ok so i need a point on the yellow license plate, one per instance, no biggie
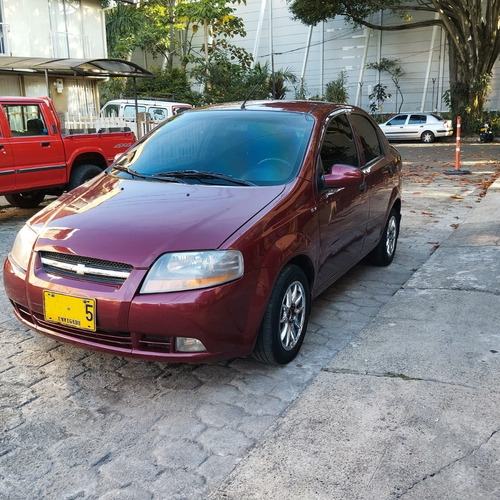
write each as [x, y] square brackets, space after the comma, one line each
[70, 311]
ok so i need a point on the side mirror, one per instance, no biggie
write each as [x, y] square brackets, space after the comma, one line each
[343, 176]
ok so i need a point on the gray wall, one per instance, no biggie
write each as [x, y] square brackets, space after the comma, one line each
[336, 46]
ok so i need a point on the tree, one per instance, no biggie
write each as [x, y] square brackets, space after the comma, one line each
[392, 67]
[218, 22]
[336, 90]
[379, 95]
[277, 82]
[167, 27]
[472, 28]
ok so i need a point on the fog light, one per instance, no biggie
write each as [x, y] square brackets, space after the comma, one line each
[187, 344]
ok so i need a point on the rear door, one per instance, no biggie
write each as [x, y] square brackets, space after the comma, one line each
[381, 176]
[37, 150]
[416, 125]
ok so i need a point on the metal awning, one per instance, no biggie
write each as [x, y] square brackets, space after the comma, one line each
[101, 68]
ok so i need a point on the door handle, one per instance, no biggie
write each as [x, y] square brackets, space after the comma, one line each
[3, 150]
[45, 144]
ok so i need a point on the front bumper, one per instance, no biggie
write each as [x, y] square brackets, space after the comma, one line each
[225, 319]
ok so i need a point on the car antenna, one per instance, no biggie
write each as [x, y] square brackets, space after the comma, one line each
[251, 92]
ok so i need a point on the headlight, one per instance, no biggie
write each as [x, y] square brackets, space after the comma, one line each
[23, 245]
[174, 272]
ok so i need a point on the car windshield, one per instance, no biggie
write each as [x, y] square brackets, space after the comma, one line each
[229, 147]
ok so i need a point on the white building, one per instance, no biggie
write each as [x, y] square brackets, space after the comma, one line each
[57, 48]
[318, 54]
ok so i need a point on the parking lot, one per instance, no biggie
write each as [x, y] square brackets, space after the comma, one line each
[78, 424]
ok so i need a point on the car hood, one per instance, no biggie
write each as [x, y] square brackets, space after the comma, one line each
[135, 221]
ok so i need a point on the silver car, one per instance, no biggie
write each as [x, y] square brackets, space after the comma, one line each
[424, 127]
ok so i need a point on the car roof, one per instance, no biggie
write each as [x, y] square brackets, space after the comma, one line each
[150, 102]
[317, 108]
[9, 99]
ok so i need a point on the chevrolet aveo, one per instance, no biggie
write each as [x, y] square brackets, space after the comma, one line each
[209, 238]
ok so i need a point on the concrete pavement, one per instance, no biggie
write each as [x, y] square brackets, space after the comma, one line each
[410, 407]
[79, 424]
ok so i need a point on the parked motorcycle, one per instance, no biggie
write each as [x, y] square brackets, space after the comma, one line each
[485, 132]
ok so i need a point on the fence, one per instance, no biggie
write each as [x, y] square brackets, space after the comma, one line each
[71, 124]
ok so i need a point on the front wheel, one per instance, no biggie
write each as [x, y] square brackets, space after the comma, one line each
[383, 253]
[81, 174]
[31, 199]
[285, 319]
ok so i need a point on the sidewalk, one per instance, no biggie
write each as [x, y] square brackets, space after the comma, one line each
[410, 408]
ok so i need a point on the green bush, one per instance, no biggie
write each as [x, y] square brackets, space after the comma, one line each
[172, 85]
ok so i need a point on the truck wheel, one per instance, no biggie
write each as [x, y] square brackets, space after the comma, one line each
[31, 199]
[81, 174]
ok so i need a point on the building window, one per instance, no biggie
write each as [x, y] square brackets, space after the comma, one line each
[4, 30]
[66, 28]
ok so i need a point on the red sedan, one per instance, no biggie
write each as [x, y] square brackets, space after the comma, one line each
[209, 238]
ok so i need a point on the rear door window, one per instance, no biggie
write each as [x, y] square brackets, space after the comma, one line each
[368, 136]
[417, 119]
[338, 145]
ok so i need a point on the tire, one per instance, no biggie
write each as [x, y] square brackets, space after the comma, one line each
[383, 253]
[427, 137]
[285, 319]
[81, 174]
[31, 199]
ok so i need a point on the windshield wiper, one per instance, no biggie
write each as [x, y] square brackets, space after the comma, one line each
[199, 175]
[134, 173]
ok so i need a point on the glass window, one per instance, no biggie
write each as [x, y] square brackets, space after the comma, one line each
[417, 119]
[111, 110]
[338, 144]
[25, 120]
[66, 29]
[369, 138]
[398, 120]
[261, 147]
[129, 111]
[158, 114]
[3, 33]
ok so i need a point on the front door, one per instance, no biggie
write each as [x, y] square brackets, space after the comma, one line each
[38, 152]
[343, 213]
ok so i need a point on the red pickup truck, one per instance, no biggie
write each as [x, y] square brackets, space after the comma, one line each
[36, 159]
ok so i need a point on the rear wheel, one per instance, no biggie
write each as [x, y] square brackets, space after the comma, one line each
[285, 320]
[383, 253]
[81, 174]
[427, 137]
[30, 199]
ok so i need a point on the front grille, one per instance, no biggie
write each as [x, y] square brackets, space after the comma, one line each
[122, 340]
[76, 266]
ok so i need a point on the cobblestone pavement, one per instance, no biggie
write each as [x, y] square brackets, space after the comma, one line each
[77, 424]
